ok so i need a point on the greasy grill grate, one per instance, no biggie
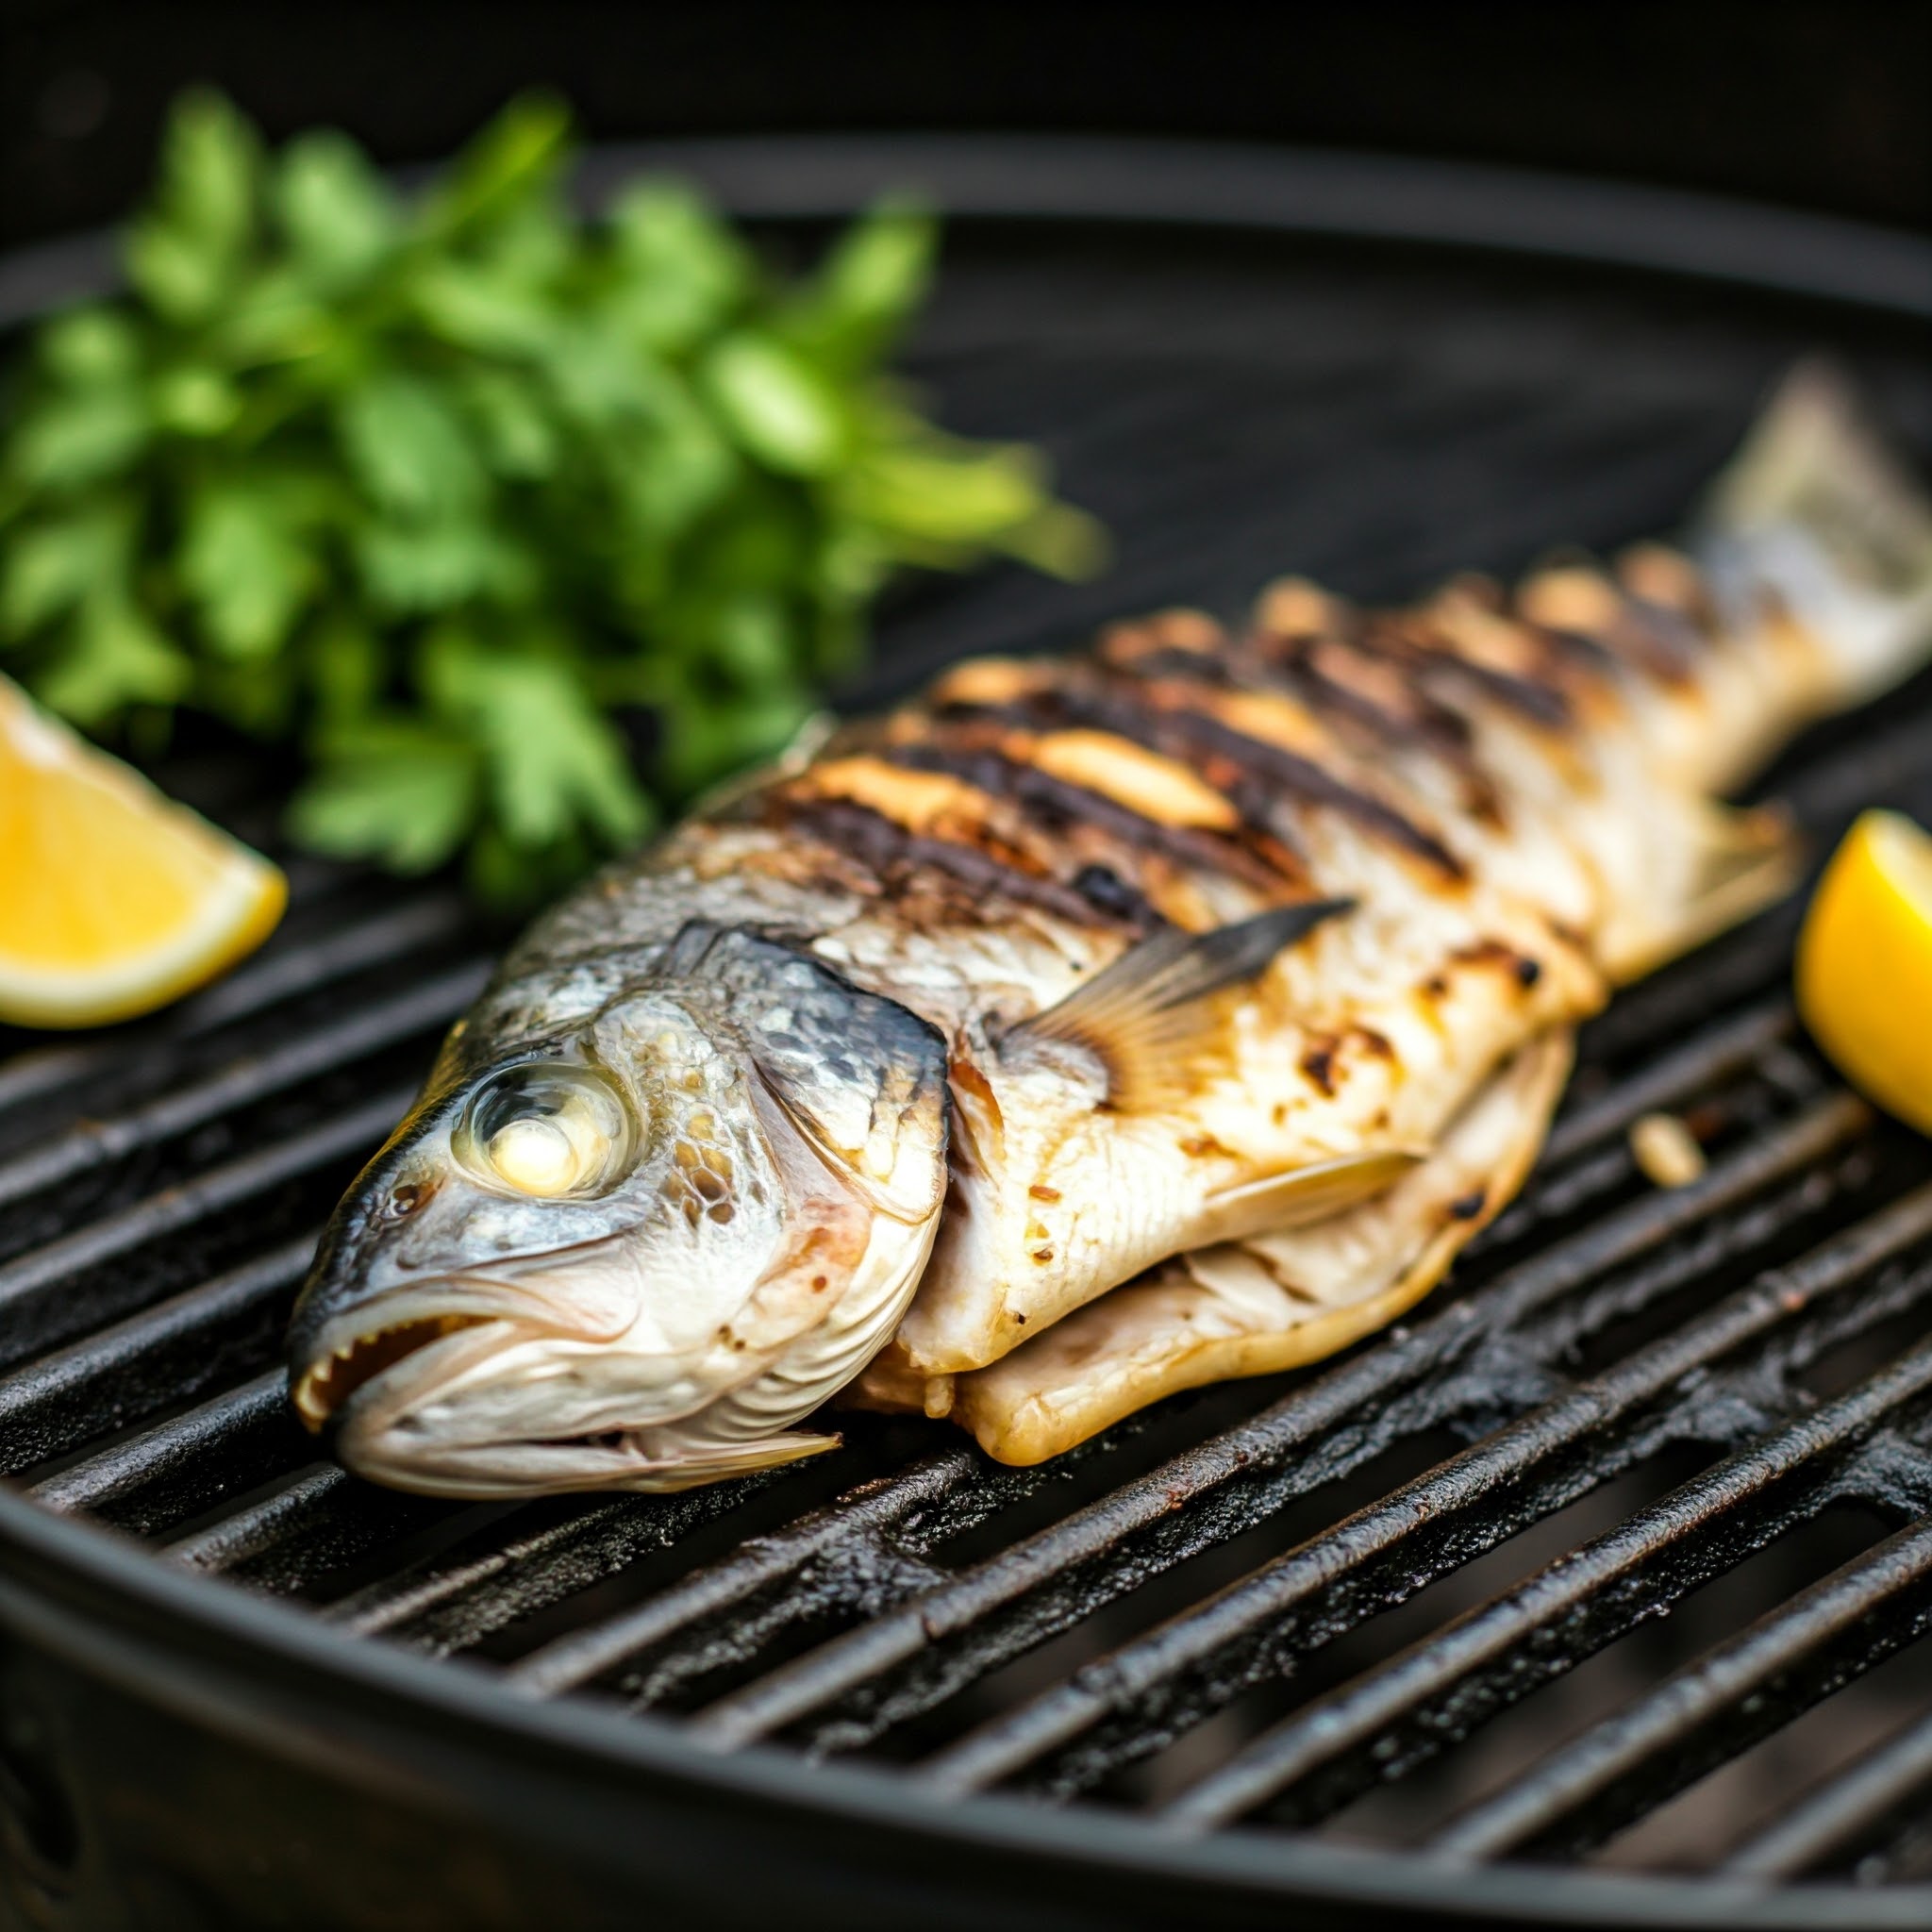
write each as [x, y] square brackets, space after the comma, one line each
[1555, 1572]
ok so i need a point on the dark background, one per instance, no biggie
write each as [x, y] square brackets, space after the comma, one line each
[1828, 107]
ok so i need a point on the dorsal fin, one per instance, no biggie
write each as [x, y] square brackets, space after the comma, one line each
[1149, 1016]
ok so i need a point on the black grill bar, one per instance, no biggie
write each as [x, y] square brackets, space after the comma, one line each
[1195, 1662]
[1869, 1804]
[366, 1030]
[1324, 1426]
[319, 1520]
[182, 1465]
[33, 1318]
[582, 1656]
[1738, 967]
[1308, 1606]
[1887, 763]
[177, 1350]
[443, 1604]
[854, 1523]
[865, 1551]
[1589, 1184]
[1730, 1047]
[284, 973]
[1740, 1693]
[1438, 1691]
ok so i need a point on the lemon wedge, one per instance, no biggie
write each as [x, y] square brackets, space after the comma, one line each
[113, 899]
[1865, 964]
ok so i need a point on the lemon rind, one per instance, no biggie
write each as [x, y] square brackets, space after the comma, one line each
[233, 919]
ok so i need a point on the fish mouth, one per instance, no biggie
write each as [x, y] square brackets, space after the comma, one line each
[378, 1397]
[367, 1397]
[388, 1452]
[384, 1449]
[382, 1398]
[339, 1359]
[323, 1391]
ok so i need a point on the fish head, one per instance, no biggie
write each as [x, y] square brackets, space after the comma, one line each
[620, 1252]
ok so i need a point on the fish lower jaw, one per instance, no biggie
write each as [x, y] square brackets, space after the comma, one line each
[401, 1457]
[399, 1407]
[322, 1391]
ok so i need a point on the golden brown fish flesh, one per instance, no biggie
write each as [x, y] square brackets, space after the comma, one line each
[1247, 961]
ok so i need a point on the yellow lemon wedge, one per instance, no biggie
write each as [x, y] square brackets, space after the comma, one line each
[1865, 964]
[113, 899]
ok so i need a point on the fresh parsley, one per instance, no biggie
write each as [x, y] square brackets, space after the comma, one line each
[520, 527]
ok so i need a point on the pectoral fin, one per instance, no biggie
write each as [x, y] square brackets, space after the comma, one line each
[1282, 1201]
[1150, 1016]
[1276, 1304]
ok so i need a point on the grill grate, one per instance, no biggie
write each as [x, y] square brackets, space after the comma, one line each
[1344, 1603]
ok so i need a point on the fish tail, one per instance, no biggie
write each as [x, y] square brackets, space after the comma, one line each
[1816, 509]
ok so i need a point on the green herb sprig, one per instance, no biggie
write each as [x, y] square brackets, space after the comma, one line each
[447, 491]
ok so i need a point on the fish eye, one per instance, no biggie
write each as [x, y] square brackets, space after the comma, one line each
[549, 1129]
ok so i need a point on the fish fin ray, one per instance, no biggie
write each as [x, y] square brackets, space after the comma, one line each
[1817, 507]
[1281, 1201]
[1151, 1016]
[1170, 1331]
[1746, 861]
[715, 1462]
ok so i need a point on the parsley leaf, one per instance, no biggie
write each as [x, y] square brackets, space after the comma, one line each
[464, 496]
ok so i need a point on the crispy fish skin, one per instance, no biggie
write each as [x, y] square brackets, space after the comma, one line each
[1255, 1307]
[1565, 744]
[1472, 818]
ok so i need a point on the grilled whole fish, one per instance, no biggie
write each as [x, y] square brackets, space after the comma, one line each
[1091, 1027]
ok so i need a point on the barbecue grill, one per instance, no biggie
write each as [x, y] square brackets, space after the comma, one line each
[1589, 1595]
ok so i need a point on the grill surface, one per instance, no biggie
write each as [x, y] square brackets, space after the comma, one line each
[1592, 1593]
